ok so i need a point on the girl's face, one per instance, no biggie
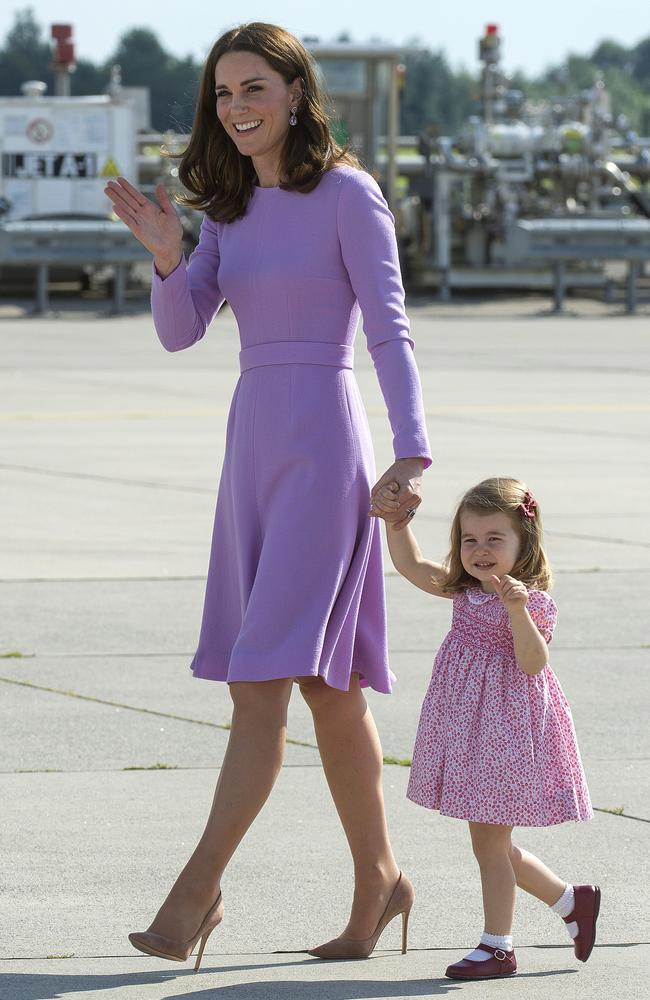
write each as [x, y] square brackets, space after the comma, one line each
[250, 92]
[489, 545]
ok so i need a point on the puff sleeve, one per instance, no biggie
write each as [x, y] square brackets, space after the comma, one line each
[543, 610]
[366, 229]
[185, 302]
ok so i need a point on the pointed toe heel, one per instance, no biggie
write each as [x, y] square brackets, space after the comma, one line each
[400, 902]
[180, 951]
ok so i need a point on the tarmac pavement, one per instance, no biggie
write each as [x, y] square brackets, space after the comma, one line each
[109, 749]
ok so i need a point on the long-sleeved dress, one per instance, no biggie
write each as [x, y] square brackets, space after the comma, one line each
[295, 580]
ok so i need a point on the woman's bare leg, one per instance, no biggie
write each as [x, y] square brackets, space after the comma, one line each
[534, 877]
[492, 845]
[250, 767]
[352, 760]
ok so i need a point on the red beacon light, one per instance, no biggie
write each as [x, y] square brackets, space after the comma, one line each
[61, 32]
[64, 54]
[489, 45]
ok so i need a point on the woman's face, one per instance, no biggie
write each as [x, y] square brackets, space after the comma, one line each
[250, 92]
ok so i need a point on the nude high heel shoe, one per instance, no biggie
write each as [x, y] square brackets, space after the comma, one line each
[180, 951]
[401, 901]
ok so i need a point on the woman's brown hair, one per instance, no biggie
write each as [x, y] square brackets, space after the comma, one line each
[511, 497]
[220, 180]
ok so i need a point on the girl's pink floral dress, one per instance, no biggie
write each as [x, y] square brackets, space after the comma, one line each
[495, 745]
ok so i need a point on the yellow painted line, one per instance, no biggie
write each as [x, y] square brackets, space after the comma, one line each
[509, 408]
[546, 408]
[108, 414]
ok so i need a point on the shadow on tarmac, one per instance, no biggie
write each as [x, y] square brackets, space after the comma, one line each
[53, 987]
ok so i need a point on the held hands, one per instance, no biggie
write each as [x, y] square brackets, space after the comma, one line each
[398, 491]
[512, 593]
[157, 227]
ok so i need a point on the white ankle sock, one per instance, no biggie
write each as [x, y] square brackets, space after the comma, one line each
[565, 906]
[503, 941]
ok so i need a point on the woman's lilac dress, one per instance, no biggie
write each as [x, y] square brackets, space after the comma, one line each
[295, 581]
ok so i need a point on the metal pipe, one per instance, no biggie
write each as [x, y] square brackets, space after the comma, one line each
[42, 275]
[393, 133]
[119, 286]
[632, 275]
[559, 285]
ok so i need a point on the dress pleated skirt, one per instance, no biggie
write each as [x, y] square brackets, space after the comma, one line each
[295, 582]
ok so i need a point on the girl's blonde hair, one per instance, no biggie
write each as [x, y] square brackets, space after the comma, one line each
[511, 497]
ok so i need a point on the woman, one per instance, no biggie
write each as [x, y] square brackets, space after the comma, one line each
[296, 237]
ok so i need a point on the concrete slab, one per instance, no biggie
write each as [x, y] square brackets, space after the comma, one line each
[295, 977]
[260, 977]
[290, 883]
[42, 730]
[111, 456]
[90, 405]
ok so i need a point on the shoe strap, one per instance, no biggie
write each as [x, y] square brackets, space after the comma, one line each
[499, 953]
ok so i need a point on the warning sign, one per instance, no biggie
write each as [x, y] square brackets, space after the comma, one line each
[110, 169]
[40, 130]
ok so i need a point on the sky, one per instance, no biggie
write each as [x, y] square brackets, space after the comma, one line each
[535, 35]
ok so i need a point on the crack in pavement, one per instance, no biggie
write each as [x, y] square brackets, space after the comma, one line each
[161, 654]
[388, 573]
[387, 760]
[118, 480]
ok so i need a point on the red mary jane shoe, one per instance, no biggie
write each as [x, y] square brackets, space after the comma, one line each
[585, 913]
[503, 963]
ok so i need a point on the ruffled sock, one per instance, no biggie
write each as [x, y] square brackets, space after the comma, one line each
[564, 907]
[503, 941]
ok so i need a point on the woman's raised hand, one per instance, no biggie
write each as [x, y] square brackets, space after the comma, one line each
[157, 227]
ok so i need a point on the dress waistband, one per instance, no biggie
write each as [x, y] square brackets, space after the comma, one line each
[296, 352]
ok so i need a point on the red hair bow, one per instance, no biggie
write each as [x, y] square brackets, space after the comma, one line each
[529, 505]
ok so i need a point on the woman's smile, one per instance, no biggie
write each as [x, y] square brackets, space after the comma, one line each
[241, 128]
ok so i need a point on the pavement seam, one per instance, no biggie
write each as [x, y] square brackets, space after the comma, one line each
[128, 655]
[133, 708]
[387, 760]
[388, 574]
[118, 481]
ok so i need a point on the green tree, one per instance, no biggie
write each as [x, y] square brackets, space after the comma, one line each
[641, 62]
[24, 56]
[611, 55]
[89, 78]
[173, 82]
[433, 95]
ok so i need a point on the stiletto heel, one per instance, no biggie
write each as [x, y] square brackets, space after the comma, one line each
[400, 901]
[405, 924]
[180, 951]
[203, 944]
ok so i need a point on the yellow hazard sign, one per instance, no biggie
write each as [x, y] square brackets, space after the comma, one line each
[110, 169]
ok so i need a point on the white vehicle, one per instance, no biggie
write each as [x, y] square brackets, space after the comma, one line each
[56, 153]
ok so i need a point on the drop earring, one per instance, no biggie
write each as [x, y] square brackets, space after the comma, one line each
[292, 117]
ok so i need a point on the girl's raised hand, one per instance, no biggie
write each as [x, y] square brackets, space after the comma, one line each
[157, 227]
[512, 593]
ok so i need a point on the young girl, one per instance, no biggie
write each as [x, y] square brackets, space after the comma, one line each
[496, 744]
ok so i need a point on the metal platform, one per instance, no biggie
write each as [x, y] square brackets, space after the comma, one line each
[561, 241]
[44, 243]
